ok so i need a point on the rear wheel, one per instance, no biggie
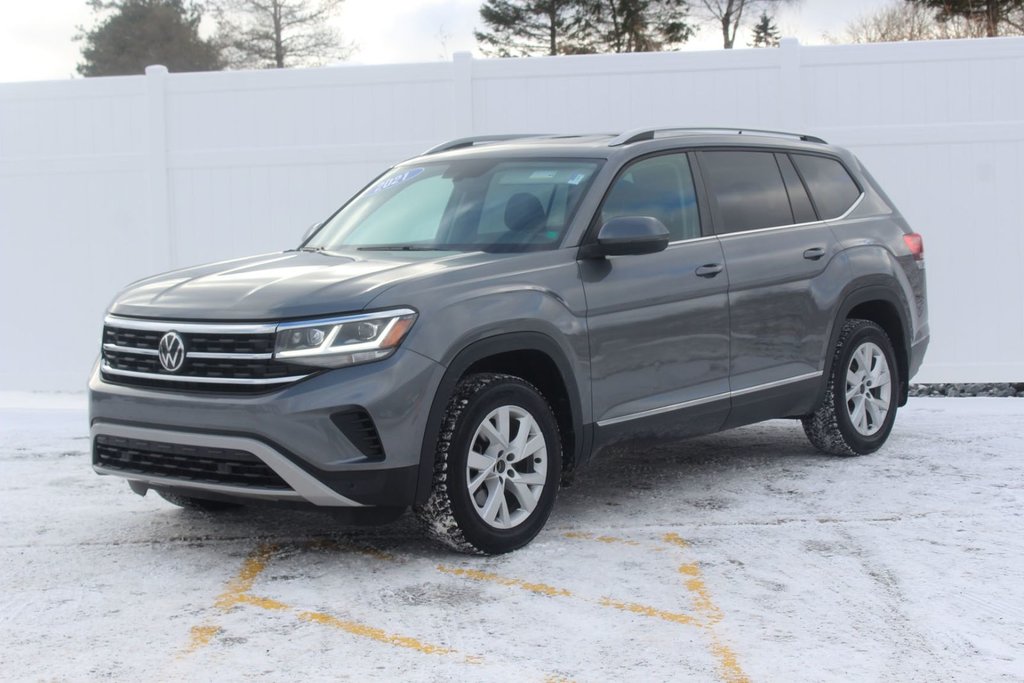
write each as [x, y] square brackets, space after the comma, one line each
[859, 407]
[496, 467]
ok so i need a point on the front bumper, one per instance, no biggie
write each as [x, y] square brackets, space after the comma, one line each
[290, 430]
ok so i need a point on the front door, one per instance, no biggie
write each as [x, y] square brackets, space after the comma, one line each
[659, 323]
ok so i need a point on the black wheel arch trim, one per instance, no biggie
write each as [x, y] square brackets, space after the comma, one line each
[479, 350]
[862, 295]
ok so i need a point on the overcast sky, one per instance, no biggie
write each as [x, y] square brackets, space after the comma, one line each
[36, 36]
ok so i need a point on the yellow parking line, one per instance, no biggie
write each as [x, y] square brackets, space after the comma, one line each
[637, 608]
[238, 592]
[478, 575]
[362, 630]
[200, 637]
[553, 591]
[604, 538]
[242, 582]
[728, 665]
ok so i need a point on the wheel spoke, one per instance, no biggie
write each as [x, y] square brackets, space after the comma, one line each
[533, 478]
[474, 483]
[502, 518]
[873, 412]
[526, 425]
[493, 434]
[527, 499]
[495, 498]
[857, 416]
[504, 427]
[852, 391]
[882, 399]
[480, 461]
[532, 446]
[864, 359]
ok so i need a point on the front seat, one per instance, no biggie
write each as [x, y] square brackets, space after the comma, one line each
[524, 216]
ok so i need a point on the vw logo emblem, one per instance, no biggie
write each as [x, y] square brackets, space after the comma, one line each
[172, 351]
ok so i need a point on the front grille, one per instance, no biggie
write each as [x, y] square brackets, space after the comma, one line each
[188, 463]
[236, 358]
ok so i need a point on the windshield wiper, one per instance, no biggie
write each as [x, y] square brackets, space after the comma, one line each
[312, 249]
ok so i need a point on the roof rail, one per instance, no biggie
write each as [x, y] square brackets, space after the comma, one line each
[641, 134]
[458, 143]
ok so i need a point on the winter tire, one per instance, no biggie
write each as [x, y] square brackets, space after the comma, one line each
[859, 407]
[496, 468]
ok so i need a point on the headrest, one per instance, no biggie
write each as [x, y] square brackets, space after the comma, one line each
[524, 212]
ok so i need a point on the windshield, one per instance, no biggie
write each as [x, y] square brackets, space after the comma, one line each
[464, 205]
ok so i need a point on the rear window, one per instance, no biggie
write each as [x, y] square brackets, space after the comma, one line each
[832, 189]
[748, 188]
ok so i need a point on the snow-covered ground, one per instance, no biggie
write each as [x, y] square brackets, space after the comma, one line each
[741, 556]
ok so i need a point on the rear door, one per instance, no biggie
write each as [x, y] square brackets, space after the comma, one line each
[778, 254]
[659, 323]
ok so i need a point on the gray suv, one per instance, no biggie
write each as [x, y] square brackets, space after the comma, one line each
[480, 321]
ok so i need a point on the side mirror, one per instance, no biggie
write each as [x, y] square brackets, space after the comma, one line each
[628, 235]
[310, 230]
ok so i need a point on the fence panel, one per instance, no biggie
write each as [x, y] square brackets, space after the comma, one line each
[103, 181]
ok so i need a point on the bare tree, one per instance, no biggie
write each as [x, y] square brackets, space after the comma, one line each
[278, 33]
[902, 21]
[896, 23]
[730, 14]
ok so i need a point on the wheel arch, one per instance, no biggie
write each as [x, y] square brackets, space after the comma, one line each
[536, 358]
[882, 306]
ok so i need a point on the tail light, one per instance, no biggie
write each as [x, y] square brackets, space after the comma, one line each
[916, 245]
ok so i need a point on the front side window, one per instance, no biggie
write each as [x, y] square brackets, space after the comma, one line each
[831, 187]
[661, 187]
[462, 205]
[748, 188]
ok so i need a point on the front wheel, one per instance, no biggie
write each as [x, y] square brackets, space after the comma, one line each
[496, 467]
[859, 407]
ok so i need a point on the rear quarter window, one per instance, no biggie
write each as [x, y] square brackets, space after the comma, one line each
[832, 189]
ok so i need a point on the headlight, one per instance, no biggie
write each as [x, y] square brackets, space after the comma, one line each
[335, 342]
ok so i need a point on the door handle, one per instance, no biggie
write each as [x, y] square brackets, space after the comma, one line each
[710, 269]
[814, 253]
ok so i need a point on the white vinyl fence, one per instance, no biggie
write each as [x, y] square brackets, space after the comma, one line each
[106, 180]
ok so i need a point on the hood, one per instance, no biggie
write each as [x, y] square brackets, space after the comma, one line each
[275, 286]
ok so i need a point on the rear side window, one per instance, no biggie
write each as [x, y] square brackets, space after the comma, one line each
[832, 189]
[748, 188]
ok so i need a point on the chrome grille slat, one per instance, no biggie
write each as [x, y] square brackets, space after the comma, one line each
[218, 356]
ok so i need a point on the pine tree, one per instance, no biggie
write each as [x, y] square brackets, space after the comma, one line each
[519, 28]
[641, 25]
[523, 28]
[766, 33]
[137, 33]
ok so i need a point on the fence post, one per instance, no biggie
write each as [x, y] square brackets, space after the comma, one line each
[791, 110]
[462, 106]
[156, 162]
